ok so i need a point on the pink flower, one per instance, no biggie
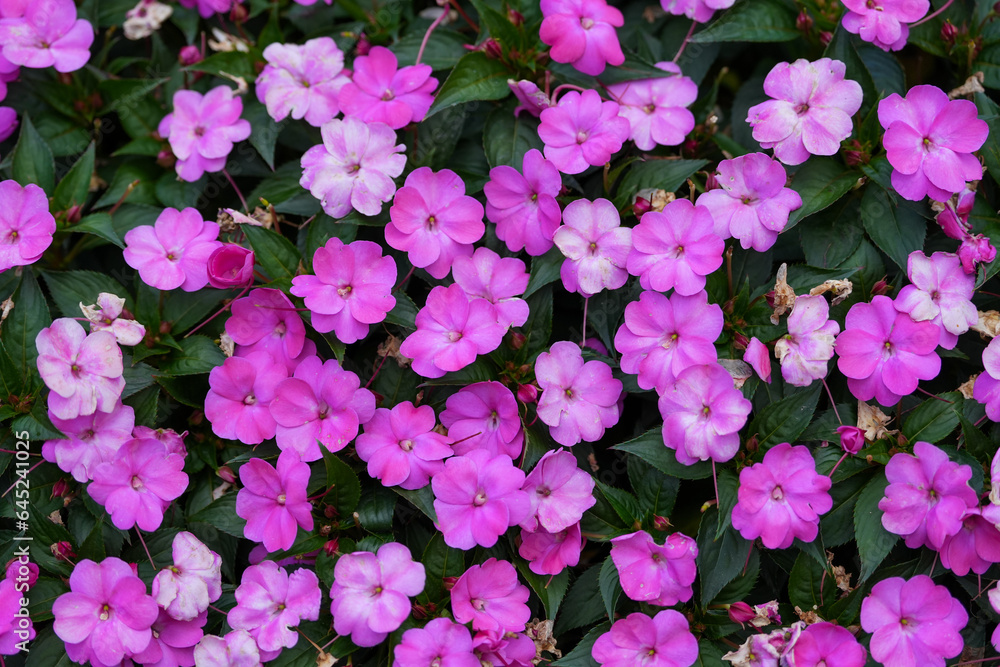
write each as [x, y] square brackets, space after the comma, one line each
[173, 252]
[8, 120]
[941, 292]
[441, 640]
[107, 615]
[498, 280]
[884, 353]
[270, 603]
[914, 623]
[91, 440]
[14, 627]
[560, 492]
[352, 288]
[451, 332]
[826, 644]
[477, 497]
[811, 110]
[698, 10]
[582, 33]
[274, 502]
[173, 642]
[433, 220]
[808, 345]
[759, 358]
[662, 641]
[381, 92]
[781, 498]
[202, 130]
[661, 337]
[675, 249]
[510, 649]
[994, 596]
[702, 414]
[209, 7]
[524, 208]
[852, 438]
[105, 315]
[656, 109]
[186, 588]
[595, 245]
[171, 439]
[986, 390]
[266, 321]
[484, 415]
[976, 249]
[237, 649]
[230, 265]
[752, 203]
[401, 447]
[26, 226]
[371, 592]
[656, 574]
[531, 99]
[582, 130]
[579, 400]
[883, 23]
[929, 141]
[48, 35]
[491, 598]
[975, 547]
[354, 166]
[240, 391]
[303, 81]
[551, 553]
[954, 217]
[84, 371]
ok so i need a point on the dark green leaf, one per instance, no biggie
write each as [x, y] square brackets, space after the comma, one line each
[549, 589]
[235, 63]
[990, 112]
[656, 491]
[376, 508]
[740, 587]
[933, 419]
[650, 448]
[100, 225]
[719, 560]
[441, 561]
[820, 182]
[624, 503]
[198, 355]
[785, 420]
[874, 541]
[221, 514]
[344, 487]
[32, 160]
[805, 582]
[506, 137]
[611, 586]
[264, 133]
[75, 185]
[581, 655]
[752, 21]
[404, 314]
[583, 604]
[422, 499]
[71, 288]
[275, 254]
[667, 175]
[544, 270]
[29, 316]
[443, 50]
[896, 229]
[476, 77]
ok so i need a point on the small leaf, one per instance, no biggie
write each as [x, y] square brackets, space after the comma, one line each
[476, 77]
[785, 420]
[583, 604]
[820, 182]
[933, 419]
[667, 175]
[404, 314]
[805, 582]
[71, 288]
[29, 316]
[874, 541]
[581, 655]
[624, 503]
[75, 185]
[276, 254]
[344, 487]
[895, 228]
[198, 355]
[441, 561]
[32, 161]
[650, 448]
[506, 137]
[719, 560]
[752, 21]
[264, 133]
[610, 585]
[544, 270]
[100, 225]
[549, 589]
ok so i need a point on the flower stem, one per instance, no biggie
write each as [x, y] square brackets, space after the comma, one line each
[220, 311]
[583, 336]
[427, 35]
[687, 38]
[239, 194]
[461, 12]
[375, 374]
[715, 481]
[837, 465]
[145, 548]
[928, 18]
[832, 402]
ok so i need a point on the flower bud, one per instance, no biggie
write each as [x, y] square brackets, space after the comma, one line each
[230, 266]
[515, 17]
[852, 438]
[364, 46]
[803, 22]
[189, 55]
[448, 583]
[661, 523]
[527, 393]
[881, 287]
[166, 158]
[826, 37]
[239, 13]
[517, 340]
[60, 488]
[712, 182]
[62, 551]
[73, 214]
[740, 342]
[330, 548]
[491, 48]
[949, 32]
[227, 474]
[741, 612]
[641, 207]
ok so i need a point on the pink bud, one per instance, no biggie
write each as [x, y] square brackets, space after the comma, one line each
[741, 612]
[740, 342]
[641, 207]
[881, 287]
[230, 266]
[189, 55]
[825, 37]
[491, 48]
[660, 523]
[517, 340]
[73, 214]
[330, 548]
[852, 438]
[166, 158]
[59, 489]
[62, 551]
[804, 22]
[949, 32]
[364, 46]
[227, 474]
[975, 248]
[515, 17]
[712, 182]
[448, 583]
[527, 393]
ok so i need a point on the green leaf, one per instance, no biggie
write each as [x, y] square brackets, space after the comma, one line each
[820, 182]
[101, 226]
[75, 185]
[740, 587]
[183, 310]
[404, 313]
[785, 420]
[610, 584]
[441, 561]
[235, 63]
[47, 650]
[805, 582]
[624, 503]
[476, 77]
[582, 605]
[422, 499]
[719, 560]
[978, 444]
[729, 485]
[656, 491]
[443, 51]
[751, 21]
[71, 288]
[275, 254]
[874, 541]
[264, 132]
[990, 112]
[198, 355]
[896, 229]
[581, 656]
[506, 137]
[11, 380]
[29, 316]
[32, 160]
[344, 487]
[650, 448]
[667, 175]
[933, 419]
[544, 270]
[221, 514]
[549, 589]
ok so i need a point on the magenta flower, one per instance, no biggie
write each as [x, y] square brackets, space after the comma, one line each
[382, 92]
[551, 553]
[303, 81]
[510, 649]
[808, 345]
[194, 581]
[986, 390]
[401, 447]
[975, 547]
[202, 130]
[499, 280]
[698, 10]
[884, 353]
[107, 615]
[852, 438]
[823, 644]
[451, 332]
[579, 400]
[954, 217]
[230, 265]
[560, 492]
[354, 166]
[266, 321]
[914, 623]
[656, 109]
[477, 497]
[433, 220]
[84, 371]
[105, 315]
[209, 7]
[752, 203]
[173, 642]
[582, 131]
[781, 498]
[531, 98]
[48, 35]
[941, 292]
[484, 415]
[976, 249]
[237, 649]
[173, 252]
[270, 603]
[582, 33]
[26, 226]
[883, 22]
[273, 501]
[811, 109]
[595, 245]
[491, 598]
[441, 641]
[662, 641]
[759, 358]
[14, 628]
[171, 439]
[371, 592]
[240, 391]
[929, 141]
[656, 574]
[702, 414]
[524, 208]
[90, 440]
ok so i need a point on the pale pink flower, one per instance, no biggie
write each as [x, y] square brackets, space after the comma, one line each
[186, 588]
[657, 574]
[209, 7]
[303, 81]
[883, 22]
[48, 35]
[491, 598]
[582, 33]
[975, 547]
[173, 252]
[656, 109]
[579, 400]
[524, 208]
[202, 130]
[595, 245]
[582, 130]
[173, 642]
[274, 502]
[560, 492]
[822, 644]
[90, 440]
[84, 371]
[759, 358]
[986, 390]
[105, 315]
[941, 291]
[509, 649]
[484, 415]
[401, 447]
[382, 92]
[236, 649]
[807, 347]
[240, 391]
[499, 280]
[26, 226]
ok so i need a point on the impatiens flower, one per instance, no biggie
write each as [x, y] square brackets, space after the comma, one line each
[976, 249]
[84, 371]
[551, 553]
[883, 22]
[382, 92]
[987, 387]
[90, 440]
[560, 492]
[656, 109]
[808, 345]
[914, 623]
[661, 337]
[303, 81]
[202, 130]
[371, 592]
[401, 447]
[171, 439]
[142, 21]
[209, 7]
[654, 573]
[274, 502]
[354, 166]
[186, 588]
[433, 220]
[531, 99]
[105, 315]
[975, 547]
[702, 414]
[240, 391]
[662, 641]
[582, 130]
[499, 280]
[811, 109]
[26, 226]
[752, 203]
[762, 650]
[884, 353]
[941, 291]
[237, 649]
[825, 644]
[582, 33]
[852, 438]
[954, 214]
[441, 643]
[491, 598]
[698, 10]
[477, 497]
[173, 642]
[15, 628]
[929, 141]
[173, 252]
[508, 649]
[451, 332]
[595, 245]
[759, 358]
[781, 498]
[107, 614]
[230, 265]
[266, 321]
[484, 415]
[579, 400]
[994, 596]
[48, 35]
[524, 208]
[270, 603]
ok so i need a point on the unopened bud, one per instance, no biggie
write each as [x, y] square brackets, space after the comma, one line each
[769, 297]
[641, 207]
[364, 46]
[189, 55]
[492, 49]
[881, 287]
[803, 22]
[73, 214]
[949, 32]
[661, 523]
[239, 13]
[166, 158]
[740, 342]
[752, 444]
[330, 548]
[60, 488]
[515, 17]
[527, 393]
[62, 551]
[329, 511]
[517, 340]
[826, 37]
[448, 583]
[852, 438]
[227, 474]
[712, 182]
[741, 612]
